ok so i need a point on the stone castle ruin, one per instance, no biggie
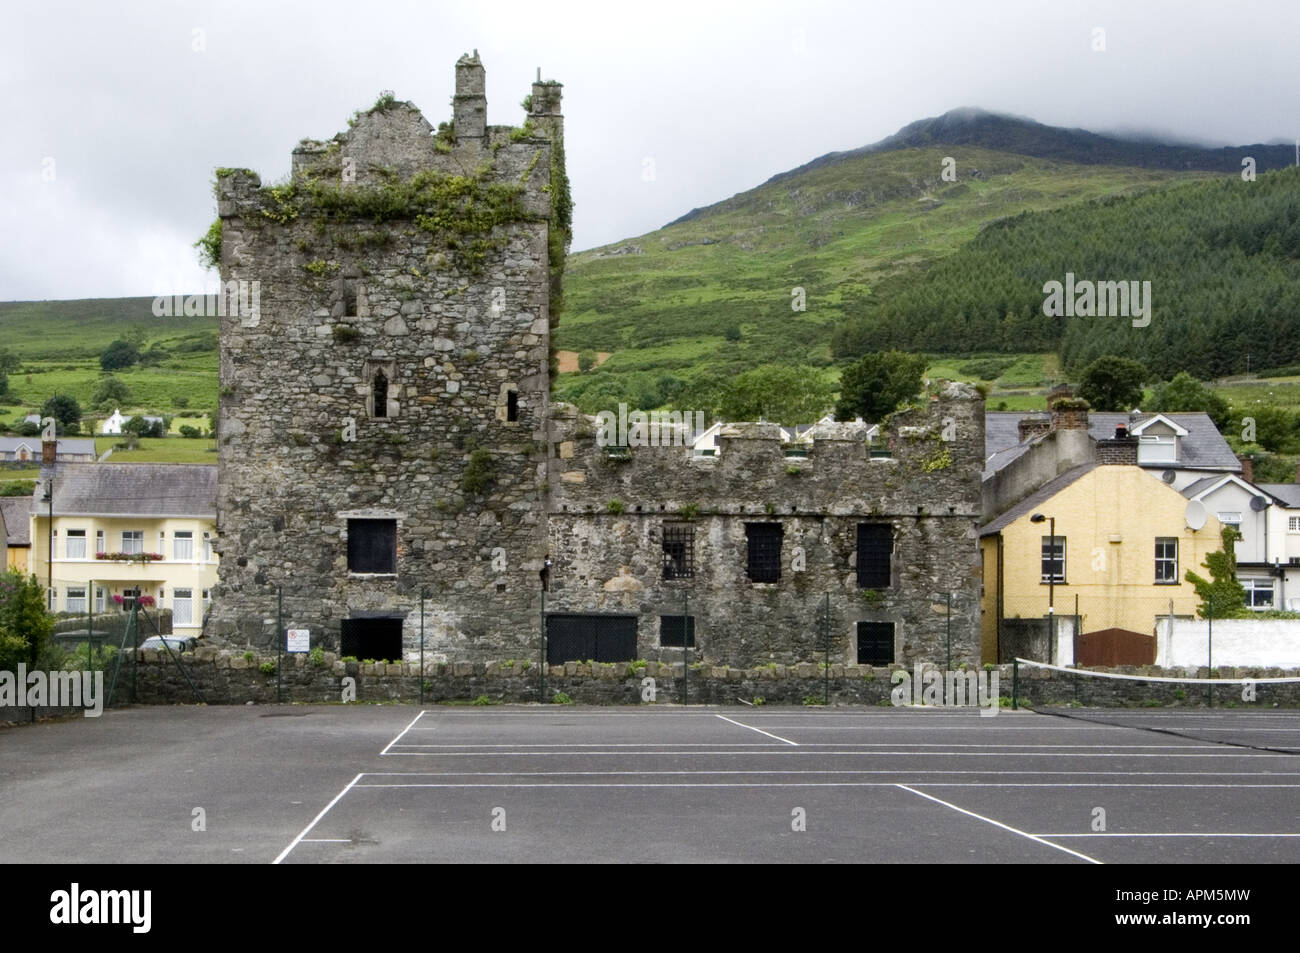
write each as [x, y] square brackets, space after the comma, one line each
[390, 462]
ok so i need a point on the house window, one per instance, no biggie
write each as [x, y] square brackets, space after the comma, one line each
[183, 607]
[1293, 524]
[100, 546]
[1259, 593]
[207, 547]
[100, 598]
[183, 545]
[162, 543]
[133, 541]
[677, 631]
[372, 546]
[1157, 448]
[875, 643]
[1232, 518]
[75, 600]
[1053, 569]
[679, 551]
[53, 595]
[1166, 561]
[875, 545]
[74, 546]
[207, 601]
[764, 551]
[379, 390]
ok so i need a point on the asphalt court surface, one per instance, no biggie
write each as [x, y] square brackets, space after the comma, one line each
[548, 784]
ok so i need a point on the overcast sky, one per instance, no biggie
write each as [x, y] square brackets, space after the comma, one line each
[115, 114]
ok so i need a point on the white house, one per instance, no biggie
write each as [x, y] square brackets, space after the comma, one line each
[113, 425]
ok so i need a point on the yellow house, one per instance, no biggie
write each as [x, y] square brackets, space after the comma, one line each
[16, 512]
[114, 527]
[1122, 545]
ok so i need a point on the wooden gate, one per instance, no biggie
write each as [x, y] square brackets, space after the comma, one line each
[1116, 647]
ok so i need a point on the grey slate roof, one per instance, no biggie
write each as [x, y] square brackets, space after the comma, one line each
[1203, 448]
[135, 489]
[65, 444]
[17, 512]
[1037, 498]
[1288, 493]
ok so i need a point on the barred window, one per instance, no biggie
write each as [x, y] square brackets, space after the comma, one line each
[677, 631]
[764, 551]
[875, 547]
[372, 546]
[679, 551]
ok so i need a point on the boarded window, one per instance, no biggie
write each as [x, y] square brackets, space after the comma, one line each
[875, 643]
[875, 547]
[764, 551]
[372, 546]
[677, 631]
[679, 551]
[379, 639]
[601, 638]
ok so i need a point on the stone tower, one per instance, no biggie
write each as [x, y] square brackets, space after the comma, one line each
[382, 426]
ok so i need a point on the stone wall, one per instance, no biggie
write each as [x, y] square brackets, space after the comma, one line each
[224, 677]
[608, 513]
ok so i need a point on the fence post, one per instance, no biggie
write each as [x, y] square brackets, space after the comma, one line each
[1015, 683]
[1209, 618]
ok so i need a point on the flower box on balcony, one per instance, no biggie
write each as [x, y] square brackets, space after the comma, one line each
[131, 557]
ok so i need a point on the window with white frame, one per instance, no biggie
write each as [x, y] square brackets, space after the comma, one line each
[162, 543]
[133, 541]
[207, 600]
[1259, 593]
[1166, 561]
[207, 547]
[53, 595]
[1293, 524]
[183, 607]
[1053, 568]
[75, 599]
[100, 545]
[100, 598]
[1232, 517]
[74, 544]
[1157, 448]
[183, 545]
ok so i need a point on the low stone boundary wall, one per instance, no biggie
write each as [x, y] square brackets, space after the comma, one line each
[224, 677]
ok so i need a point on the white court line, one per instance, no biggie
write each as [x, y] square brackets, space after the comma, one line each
[773, 750]
[325, 840]
[307, 830]
[759, 730]
[850, 771]
[404, 731]
[826, 784]
[811, 744]
[1005, 827]
[1193, 834]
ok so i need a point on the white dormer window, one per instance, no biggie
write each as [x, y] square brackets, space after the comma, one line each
[1157, 448]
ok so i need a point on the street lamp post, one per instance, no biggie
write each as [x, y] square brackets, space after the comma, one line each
[1051, 579]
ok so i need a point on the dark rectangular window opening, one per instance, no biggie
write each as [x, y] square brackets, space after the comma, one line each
[1053, 560]
[679, 551]
[764, 551]
[601, 638]
[378, 639]
[372, 546]
[875, 548]
[875, 643]
[512, 405]
[677, 631]
[349, 298]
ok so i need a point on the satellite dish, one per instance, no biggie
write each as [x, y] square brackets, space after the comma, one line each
[1258, 503]
[1169, 476]
[1196, 514]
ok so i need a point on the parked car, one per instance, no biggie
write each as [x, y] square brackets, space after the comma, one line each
[175, 642]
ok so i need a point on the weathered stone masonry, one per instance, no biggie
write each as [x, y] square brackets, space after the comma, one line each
[395, 380]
